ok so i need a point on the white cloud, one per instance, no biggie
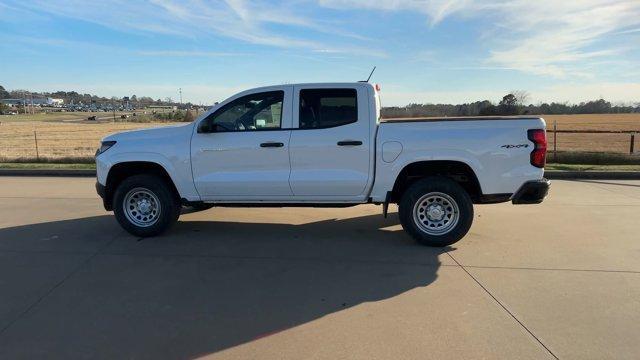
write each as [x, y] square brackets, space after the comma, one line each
[435, 10]
[183, 53]
[72, 44]
[555, 36]
[543, 37]
[252, 22]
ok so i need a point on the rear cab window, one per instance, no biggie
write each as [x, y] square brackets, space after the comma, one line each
[327, 108]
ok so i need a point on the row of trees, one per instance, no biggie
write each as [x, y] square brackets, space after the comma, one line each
[511, 104]
[4, 94]
[72, 97]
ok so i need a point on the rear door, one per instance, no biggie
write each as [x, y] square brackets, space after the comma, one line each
[330, 145]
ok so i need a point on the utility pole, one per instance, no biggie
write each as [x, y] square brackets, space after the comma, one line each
[180, 90]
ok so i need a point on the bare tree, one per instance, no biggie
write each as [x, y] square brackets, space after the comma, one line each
[522, 97]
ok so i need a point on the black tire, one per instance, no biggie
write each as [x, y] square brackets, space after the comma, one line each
[436, 184]
[169, 209]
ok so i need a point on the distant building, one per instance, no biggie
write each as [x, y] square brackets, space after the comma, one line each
[35, 101]
[12, 102]
[38, 101]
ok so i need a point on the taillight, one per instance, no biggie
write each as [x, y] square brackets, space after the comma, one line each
[539, 154]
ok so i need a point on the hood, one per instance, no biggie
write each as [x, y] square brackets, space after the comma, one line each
[151, 133]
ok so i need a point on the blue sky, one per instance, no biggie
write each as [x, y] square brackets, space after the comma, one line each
[426, 51]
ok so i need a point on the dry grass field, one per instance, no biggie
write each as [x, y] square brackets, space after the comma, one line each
[58, 141]
[627, 122]
[615, 143]
[65, 138]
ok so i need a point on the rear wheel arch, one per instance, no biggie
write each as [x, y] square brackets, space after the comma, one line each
[458, 171]
[121, 171]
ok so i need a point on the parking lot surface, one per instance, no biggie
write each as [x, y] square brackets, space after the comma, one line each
[557, 280]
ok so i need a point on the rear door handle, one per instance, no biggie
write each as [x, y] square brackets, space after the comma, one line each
[349, 143]
[272, 144]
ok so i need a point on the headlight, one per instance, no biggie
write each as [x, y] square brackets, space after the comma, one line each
[104, 146]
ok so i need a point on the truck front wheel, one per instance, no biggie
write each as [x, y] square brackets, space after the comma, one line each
[145, 205]
[436, 211]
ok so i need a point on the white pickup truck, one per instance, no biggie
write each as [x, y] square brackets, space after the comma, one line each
[323, 145]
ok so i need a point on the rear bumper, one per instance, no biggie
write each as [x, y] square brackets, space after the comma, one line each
[532, 192]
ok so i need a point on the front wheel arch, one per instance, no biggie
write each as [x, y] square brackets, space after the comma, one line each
[120, 171]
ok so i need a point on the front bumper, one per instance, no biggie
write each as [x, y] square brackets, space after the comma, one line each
[102, 192]
[531, 192]
[100, 189]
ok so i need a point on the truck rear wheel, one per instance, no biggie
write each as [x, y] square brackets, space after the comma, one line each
[145, 205]
[436, 211]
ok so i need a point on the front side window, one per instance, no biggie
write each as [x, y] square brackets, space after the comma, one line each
[261, 111]
[325, 108]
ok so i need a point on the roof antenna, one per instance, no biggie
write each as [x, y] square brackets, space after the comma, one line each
[369, 78]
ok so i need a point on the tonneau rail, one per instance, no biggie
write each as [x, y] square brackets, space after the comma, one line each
[470, 118]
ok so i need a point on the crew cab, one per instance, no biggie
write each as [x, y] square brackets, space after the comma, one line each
[323, 145]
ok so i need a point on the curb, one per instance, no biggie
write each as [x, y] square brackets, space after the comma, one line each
[551, 175]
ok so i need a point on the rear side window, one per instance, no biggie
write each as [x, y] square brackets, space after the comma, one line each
[325, 108]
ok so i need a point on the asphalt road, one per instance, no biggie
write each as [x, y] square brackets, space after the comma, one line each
[561, 279]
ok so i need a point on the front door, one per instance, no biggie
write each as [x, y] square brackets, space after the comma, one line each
[242, 149]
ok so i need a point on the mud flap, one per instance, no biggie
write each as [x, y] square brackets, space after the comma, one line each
[385, 206]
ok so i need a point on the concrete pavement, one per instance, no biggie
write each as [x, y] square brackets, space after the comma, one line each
[558, 280]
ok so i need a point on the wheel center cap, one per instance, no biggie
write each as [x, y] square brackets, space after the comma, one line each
[435, 213]
[144, 206]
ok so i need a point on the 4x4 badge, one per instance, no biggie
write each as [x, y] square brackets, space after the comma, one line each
[515, 146]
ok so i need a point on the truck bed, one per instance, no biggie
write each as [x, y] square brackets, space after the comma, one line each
[495, 148]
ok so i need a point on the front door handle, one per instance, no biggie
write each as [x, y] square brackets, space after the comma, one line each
[349, 143]
[272, 144]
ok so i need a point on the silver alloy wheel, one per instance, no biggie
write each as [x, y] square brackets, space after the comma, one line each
[141, 207]
[436, 213]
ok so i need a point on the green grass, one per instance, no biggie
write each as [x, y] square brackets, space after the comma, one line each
[43, 160]
[592, 158]
[47, 166]
[583, 167]
[60, 116]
